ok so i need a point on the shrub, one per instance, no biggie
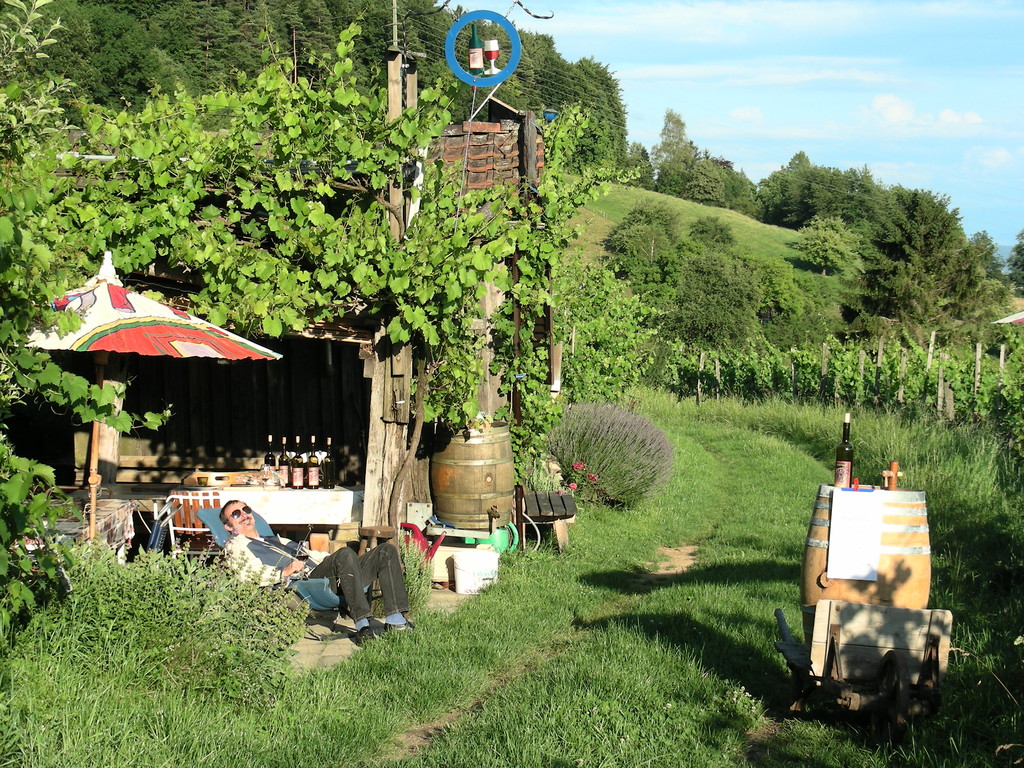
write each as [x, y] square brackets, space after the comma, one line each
[419, 573]
[180, 622]
[608, 453]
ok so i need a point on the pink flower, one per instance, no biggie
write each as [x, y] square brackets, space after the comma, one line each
[579, 465]
[573, 486]
[591, 478]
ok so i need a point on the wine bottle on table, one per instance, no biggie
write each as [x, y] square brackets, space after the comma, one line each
[284, 469]
[844, 458]
[298, 467]
[476, 52]
[312, 465]
[328, 471]
[269, 462]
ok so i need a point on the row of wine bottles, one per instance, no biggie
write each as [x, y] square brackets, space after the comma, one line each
[297, 468]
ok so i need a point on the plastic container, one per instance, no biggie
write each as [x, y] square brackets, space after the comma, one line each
[474, 570]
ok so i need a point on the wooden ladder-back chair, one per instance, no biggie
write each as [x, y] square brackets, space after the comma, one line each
[188, 534]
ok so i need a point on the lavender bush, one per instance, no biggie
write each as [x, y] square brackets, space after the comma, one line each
[610, 454]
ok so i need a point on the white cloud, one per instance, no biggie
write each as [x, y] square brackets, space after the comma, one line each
[791, 71]
[747, 115]
[949, 116]
[990, 158]
[892, 110]
[900, 115]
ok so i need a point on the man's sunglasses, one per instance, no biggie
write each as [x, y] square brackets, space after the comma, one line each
[239, 511]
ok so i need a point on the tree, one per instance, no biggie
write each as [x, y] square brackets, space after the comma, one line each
[673, 157]
[713, 234]
[717, 300]
[645, 247]
[921, 272]
[705, 184]
[638, 161]
[828, 243]
[1015, 262]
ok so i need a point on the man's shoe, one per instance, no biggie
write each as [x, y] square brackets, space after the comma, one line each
[362, 636]
[408, 626]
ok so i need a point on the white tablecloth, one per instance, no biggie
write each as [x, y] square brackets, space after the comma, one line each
[285, 506]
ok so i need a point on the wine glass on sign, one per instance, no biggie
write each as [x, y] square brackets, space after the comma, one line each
[491, 52]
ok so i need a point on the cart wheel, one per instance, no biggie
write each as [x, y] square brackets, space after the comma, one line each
[894, 688]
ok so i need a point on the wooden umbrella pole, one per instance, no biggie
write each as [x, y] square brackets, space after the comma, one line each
[94, 445]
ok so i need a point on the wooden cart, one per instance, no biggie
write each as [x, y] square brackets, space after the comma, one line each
[889, 661]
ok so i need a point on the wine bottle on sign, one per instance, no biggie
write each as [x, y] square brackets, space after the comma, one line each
[844, 458]
[312, 465]
[298, 467]
[328, 472]
[283, 468]
[476, 52]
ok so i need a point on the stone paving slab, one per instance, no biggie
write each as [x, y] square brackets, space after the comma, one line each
[335, 644]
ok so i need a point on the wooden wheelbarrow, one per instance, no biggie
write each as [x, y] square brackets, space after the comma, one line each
[889, 661]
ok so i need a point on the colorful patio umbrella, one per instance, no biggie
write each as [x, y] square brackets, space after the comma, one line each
[1016, 317]
[115, 319]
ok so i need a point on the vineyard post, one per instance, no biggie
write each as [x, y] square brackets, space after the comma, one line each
[977, 368]
[824, 370]
[859, 391]
[903, 374]
[700, 375]
[718, 379]
[792, 371]
[931, 350]
[938, 394]
[999, 386]
[878, 371]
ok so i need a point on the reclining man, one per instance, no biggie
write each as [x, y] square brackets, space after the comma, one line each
[276, 560]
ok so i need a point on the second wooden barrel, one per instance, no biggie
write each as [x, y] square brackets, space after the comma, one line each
[904, 563]
[472, 478]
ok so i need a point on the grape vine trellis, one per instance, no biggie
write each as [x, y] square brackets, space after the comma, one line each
[274, 198]
[961, 383]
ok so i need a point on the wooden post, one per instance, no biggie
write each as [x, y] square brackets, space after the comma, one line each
[718, 379]
[700, 375]
[792, 373]
[931, 352]
[390, 369]
[528, 147]
[394, 69]
[903, 375]
[878, 371]
[824, 370]
[977, 368]
[861, 360]
[999, 386]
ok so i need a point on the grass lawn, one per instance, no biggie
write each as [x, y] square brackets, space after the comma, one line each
[589, 658]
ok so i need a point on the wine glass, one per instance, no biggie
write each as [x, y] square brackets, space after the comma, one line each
[491, 52]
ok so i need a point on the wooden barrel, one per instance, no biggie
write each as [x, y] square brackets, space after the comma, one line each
[472, 478]
[904, 563]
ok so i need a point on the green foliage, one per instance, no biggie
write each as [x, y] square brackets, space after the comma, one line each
[605, 331]
[644, 246]
[607, 453]
[178, 622]
[922, 272]
[417, 574]
[828, 243]
[718, 300]
[712, 233]
[673, 157]
[1015, 263]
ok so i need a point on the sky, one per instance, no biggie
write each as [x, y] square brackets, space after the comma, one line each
[927, 95]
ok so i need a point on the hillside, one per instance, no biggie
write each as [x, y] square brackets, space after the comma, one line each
[598, 218]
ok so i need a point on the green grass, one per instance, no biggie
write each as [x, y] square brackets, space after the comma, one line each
[573, 660]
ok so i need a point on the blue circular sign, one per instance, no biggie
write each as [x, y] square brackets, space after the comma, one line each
[484, 81]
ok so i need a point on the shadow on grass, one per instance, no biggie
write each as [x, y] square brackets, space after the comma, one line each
[718, 645]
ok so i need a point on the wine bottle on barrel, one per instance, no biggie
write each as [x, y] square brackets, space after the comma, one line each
[844, 458]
